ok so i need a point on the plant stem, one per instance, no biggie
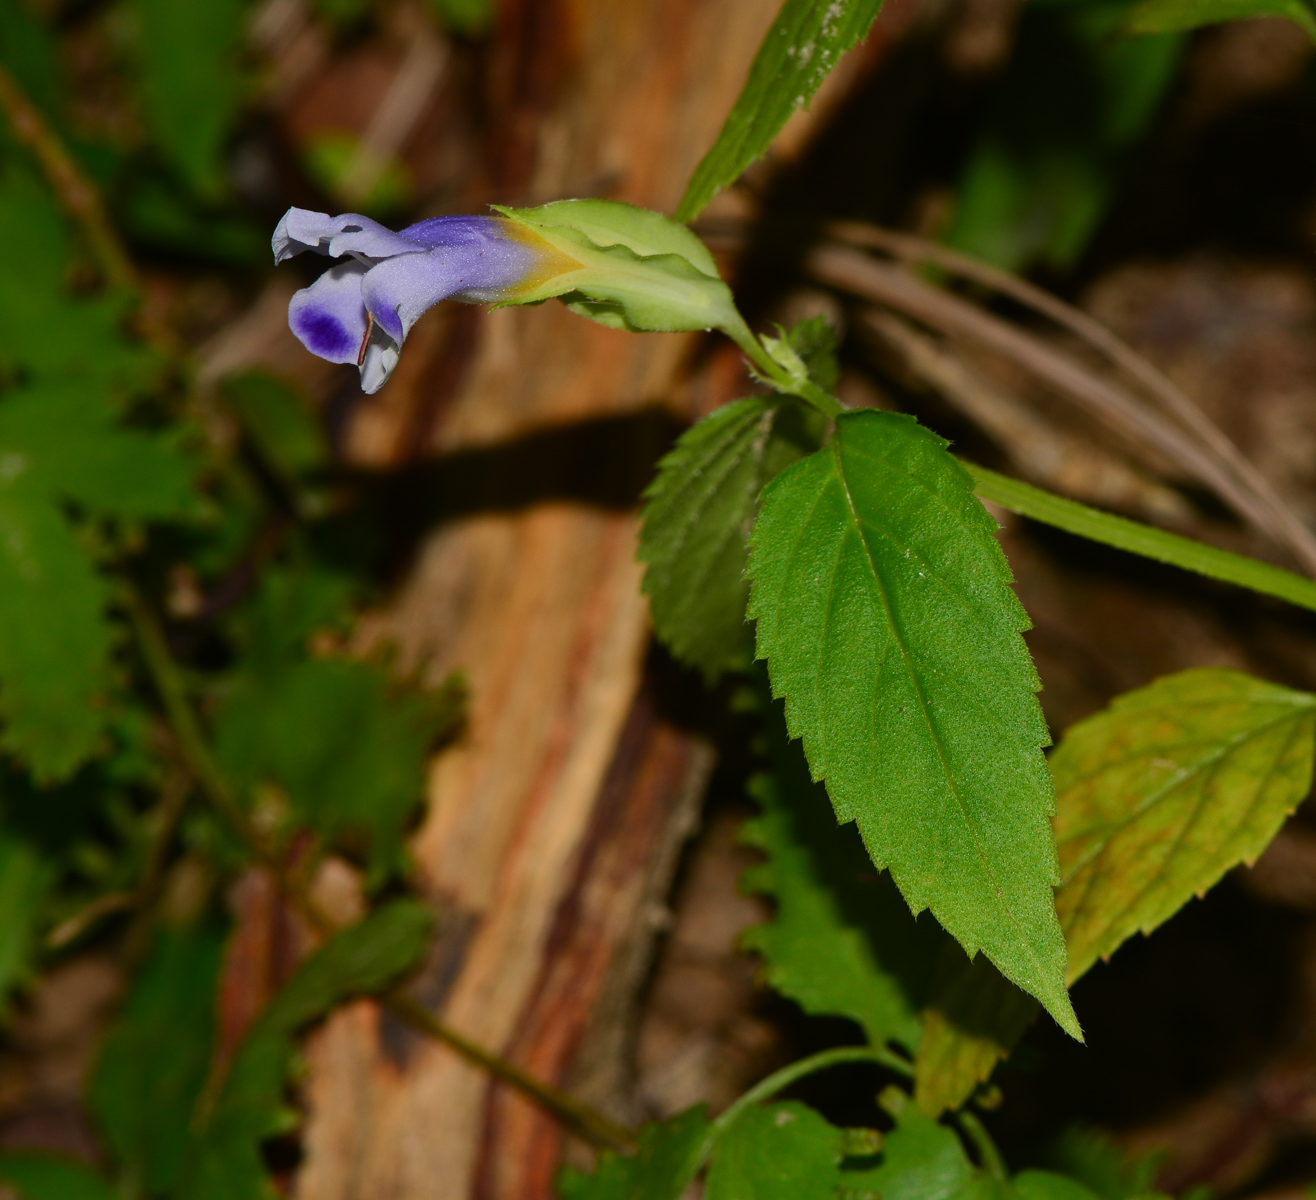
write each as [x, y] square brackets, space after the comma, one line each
[826, 404]
[182, 720]
[575, 1115]
[778, 1080]
[580, 1118]
[982, 1142]
[69, 184]
[1136, 538]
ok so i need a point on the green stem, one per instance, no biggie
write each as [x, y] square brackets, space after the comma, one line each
[781, 379]
[191, 741]
[982, 1142]
[1136, 538]
[775, 1082]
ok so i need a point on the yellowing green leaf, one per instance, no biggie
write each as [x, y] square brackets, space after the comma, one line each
[805, 42]
[885, 612]
[974, 1018]
[1166, 790]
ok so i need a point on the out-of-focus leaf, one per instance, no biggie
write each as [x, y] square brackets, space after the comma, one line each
[28, 50]
[347, 748]
[1176, 16]
[697, 518]
[224, 1159]
[38, 1176]
[1166, 790]
[885, 613]
[59, 443]
[805, 42]
[154, 1060]
[974, 1018]
[1046, 1185]
[25, 879]
[468, 17]
[842, 941]
[783, 1151]
[54, 639]
[43, 329]
[191, 84]
[286, 435]
[662, 1167]
[329, 154]
[1073, 103]
[1102, 1167]
[158, 212]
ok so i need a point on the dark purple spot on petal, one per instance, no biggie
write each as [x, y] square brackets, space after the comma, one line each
[323, 334]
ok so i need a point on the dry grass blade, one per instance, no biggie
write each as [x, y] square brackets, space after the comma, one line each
[855, 272]
[916, 249]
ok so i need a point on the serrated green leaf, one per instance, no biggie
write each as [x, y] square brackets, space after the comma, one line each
[39, 1176]
[1166, 790]
[154, 1060]
[841, 941]
[885, 613]
[782, 1151]
[1176, 16]
[25, 881]
[805, 42]
[627, 268]
[1057, 135]
[224, 1161]
[668, 1156]
[59, 442]
[54, 639]
[191, 87]
[697, 518]
[44, 330]
[974, 1018]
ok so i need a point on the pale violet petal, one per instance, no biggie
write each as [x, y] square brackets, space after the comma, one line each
[329, 317]
[349, 233]
[481, 268]
[382, 354]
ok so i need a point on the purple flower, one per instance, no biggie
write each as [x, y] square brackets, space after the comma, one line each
[361, 310]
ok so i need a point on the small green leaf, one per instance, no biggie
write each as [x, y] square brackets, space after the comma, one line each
[697, 518]
[155, 1058]
[885, 613]
[1175, 16]
[224, 1160]
[805, 42]
[628, 268]
[974, 1018]
[921, 1160]
[1101, 1166]
[841, 942]
[279, 422]
[39, 1176]
[1166, 790]
[191, 84]
[669, 1154]
[783, 1151]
